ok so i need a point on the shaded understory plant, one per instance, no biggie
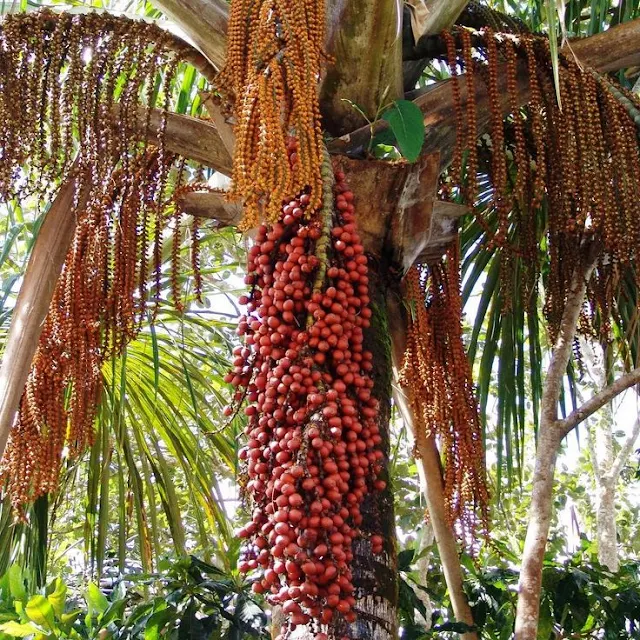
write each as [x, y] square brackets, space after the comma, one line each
[580, 597]
[192, 599]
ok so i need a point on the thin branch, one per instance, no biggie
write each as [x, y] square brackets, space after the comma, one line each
[564, 342]
[598, 401]
[625, 452]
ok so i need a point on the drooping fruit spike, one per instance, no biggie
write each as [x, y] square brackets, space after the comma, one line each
[571, 167]
[313, 441]
[63, 77]
[274, 58]
[437, 378]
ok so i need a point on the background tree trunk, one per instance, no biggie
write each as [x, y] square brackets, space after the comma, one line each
[607, 533]
[540, 513]
[606, 470]
[605, 464]
[600, 441]
[550, 436]
[551, 433]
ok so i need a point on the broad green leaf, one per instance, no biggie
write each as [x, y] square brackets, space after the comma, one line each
[16, 583]
[17, 630]
[249, 613]
[157, 622]
[406, 122]
[95, 599]
[57, 596]
[40, 611]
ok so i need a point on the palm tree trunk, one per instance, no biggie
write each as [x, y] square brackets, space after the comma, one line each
[376, 577]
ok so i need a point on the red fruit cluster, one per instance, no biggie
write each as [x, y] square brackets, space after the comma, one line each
[313, 449]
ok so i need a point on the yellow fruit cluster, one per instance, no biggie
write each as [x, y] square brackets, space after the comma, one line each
[274, 57]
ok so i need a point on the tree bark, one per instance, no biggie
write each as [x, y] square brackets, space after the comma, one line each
[367, 70]
[376, 577]
[606, 471]
[606, 465]
[540, 513]
[600, 444]
[606, 530]
[549, 439]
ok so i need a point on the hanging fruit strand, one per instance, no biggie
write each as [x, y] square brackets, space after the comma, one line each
[471, 187]
[63, 78]
[437, 378]
[452, 56]
[314, 445]
[92, 317]
[58, 78]
[313, 449]
[274, 56]
[575, 165]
